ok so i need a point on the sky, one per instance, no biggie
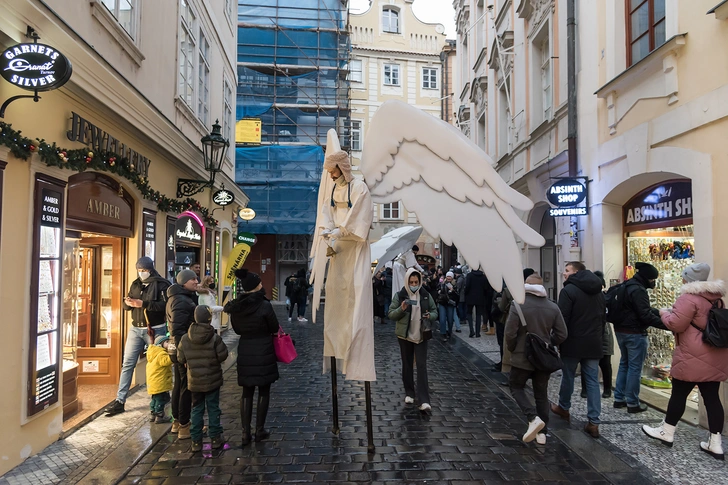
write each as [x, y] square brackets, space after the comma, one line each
[431, 11]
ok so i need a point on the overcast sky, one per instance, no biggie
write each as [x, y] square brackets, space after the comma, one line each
[431, 11]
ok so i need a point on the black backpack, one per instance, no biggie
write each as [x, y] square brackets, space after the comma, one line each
[716, 331]
[615, 300]
[296, 286]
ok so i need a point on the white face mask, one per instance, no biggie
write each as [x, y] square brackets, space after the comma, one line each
[143, 275]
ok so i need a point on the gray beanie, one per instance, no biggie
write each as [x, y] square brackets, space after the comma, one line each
[185, 275]
[145, 263]
[203, 314]
[696, 272]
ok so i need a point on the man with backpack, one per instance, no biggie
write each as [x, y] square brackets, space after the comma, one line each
[628, 308]
[298, 291]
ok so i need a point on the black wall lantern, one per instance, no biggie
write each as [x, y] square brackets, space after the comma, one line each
[214, 148]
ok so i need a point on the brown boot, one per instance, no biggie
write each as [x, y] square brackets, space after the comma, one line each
[592, 430]
[184, 431]
[560, 412]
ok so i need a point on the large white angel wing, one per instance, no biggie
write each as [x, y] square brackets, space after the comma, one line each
[449, 182]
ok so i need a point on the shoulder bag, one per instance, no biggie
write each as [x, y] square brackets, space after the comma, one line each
[541, 354]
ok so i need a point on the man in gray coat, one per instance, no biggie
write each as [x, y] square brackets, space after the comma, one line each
[543, 318]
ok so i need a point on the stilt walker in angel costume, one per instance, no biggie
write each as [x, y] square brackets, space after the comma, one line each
[435, 171]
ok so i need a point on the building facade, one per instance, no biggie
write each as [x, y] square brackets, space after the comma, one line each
[90, 186]
[394, 56]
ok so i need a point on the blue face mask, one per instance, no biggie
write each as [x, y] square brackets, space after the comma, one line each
[414, 289]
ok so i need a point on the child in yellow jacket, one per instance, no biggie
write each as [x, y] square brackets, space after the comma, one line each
[159, 377]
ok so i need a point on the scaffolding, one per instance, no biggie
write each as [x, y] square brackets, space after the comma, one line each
[292, 63]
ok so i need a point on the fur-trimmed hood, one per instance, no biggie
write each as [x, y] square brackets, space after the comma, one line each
[716, 287]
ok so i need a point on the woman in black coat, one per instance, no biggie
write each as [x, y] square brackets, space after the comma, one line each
[253, 318]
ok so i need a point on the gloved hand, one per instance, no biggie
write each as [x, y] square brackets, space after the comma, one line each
[172, 351]
[326, 233]
[335, 234]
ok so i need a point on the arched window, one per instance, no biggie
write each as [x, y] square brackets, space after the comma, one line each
[390, 21]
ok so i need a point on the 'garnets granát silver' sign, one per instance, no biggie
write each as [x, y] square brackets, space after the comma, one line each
[35, 67]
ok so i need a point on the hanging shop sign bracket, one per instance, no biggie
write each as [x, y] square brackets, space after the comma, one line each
[33, 67]
[569, 196]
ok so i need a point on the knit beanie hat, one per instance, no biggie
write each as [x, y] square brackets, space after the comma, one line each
[160, 339]
[203, 314]
[185, 275]
[248, 280]
[145, 263]
[527, 272]
[647, 270]
[696, 272]
[450, 274]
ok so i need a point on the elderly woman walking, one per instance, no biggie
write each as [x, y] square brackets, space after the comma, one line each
[694, 363]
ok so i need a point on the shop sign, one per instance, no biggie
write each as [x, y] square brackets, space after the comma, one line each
[83, 131]
[188, 230]
[50, 213]
[247, 214]
[566, 194]
[247, 238]
[665, 202]
[150, 229]
[95, 205]
[35, 67]
[223, 197]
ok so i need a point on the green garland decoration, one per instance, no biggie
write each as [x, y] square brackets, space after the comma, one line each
[83, 159]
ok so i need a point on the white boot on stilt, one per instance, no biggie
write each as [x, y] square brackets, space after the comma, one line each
[713, 447]
[664, 433]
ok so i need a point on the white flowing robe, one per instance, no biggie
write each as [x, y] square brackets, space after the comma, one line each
[348, 313]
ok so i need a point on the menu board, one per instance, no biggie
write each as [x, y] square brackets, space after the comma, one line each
[46, 285]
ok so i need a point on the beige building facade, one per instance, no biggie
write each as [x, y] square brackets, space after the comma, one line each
[93, 188]
[394, 56]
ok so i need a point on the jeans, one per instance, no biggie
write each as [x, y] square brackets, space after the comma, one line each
[456, 318]
[540, 380]
[605, 364]
[634, 352]
[479, 310]
[301, 303]
[708, 390]
[156, 405]
[181, 396]
[462, 310]
[446, 314]
[589, 373]
[410, 352]
[136, 340]
[200, 401]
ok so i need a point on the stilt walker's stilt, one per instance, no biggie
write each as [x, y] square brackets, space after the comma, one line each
[334, 396]
[370, 433]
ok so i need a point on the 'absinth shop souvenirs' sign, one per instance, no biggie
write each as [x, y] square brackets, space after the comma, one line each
[35, 67]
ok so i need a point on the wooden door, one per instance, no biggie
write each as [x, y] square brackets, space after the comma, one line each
[85, 296]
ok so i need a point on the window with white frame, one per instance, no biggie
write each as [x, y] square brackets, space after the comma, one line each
[124, 12]
[203, 79]
[187, 48]
[504, 119]
[546, 79]
[355, 136]
[429, 78]
[392, 211]
[227, 119]
[391, 74]
[355, 73]
[390, 21]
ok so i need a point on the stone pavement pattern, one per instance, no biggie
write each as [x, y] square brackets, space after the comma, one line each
[471, 436]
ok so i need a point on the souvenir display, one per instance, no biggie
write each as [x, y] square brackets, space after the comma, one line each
[45, 323]
[49, 241]
[45, 278]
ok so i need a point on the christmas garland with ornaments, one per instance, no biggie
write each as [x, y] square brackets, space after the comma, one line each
[82, 159]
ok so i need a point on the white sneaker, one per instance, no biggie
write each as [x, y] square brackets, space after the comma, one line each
[533, 428]
[289, 319]
[425, 407]
[664, 433]
[541, 438]
[301, 319]
[409, 400]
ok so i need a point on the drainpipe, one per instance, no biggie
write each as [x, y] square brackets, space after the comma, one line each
[571, 84]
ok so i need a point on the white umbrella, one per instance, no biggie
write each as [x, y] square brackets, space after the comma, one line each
[393, 243]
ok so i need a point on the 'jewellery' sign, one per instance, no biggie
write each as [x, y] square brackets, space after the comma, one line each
[223, 197]
[35, 67]
[565, 195]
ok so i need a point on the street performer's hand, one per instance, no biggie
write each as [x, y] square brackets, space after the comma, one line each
[335, 234]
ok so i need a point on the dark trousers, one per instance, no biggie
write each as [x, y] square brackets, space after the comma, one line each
[540, 381]
[605, 364]
[159, 400]
[412, 352]
[708, 390]
[500, 328]
[181, 397]
[200, 401]
[479, 312]
[301, 303]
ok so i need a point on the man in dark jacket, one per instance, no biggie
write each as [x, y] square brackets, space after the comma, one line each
[181, 303]
[631, 335]
[203, 352]
[582, 304]
[146, 301]
[478, 294]
[297, 289]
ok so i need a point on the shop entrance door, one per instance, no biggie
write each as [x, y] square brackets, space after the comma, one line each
[99, 310]
[548, 256]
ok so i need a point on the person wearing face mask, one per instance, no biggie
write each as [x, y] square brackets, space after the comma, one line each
[410, 306]
[146, 300]
[631, 335]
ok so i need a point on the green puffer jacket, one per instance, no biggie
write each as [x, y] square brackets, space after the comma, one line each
[203, 351]
[402, 317]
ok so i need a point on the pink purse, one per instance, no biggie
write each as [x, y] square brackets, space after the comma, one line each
[285, 350]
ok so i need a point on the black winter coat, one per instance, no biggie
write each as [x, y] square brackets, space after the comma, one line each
[203, 351]
[582, 304]
[253, 318]
[477, 289]
[153, 294]
[639, 314]
[181, 305]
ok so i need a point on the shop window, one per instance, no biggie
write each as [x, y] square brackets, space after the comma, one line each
[355, 136]
[645, 28]
[390, 21]
[150, 234]
[392, 211]
[391, 74]
[124, 12]
[429, 78]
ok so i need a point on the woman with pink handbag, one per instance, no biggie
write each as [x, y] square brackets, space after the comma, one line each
[252, 317]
